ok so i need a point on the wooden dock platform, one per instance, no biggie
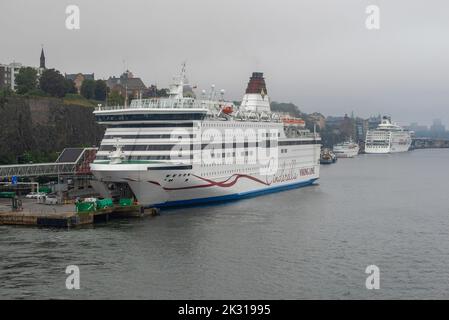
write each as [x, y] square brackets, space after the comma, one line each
[65, 216]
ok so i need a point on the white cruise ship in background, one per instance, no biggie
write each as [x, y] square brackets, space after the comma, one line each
[387, 138]
[170, 151]
[347, 149]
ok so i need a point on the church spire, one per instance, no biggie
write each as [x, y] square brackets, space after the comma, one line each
[42, 64]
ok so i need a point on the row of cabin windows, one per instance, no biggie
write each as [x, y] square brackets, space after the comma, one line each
[148, 136]
[140, 158]
[235, 124]
[265, 134]
[165, 136]
[377, 143]
[150, 116]
[233, 171]
[180, 156]
[162, 147]
[228, 155]
[214, 155]
[168, 147]
[152, 125]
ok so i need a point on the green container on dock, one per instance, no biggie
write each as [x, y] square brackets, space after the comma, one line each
[104, 203]
[10, 195]
[45, 189]
[126, 202]
[85, 207]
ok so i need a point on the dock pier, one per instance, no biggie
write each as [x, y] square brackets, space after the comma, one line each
[65, 216]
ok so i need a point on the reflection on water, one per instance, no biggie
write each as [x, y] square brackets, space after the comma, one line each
[314, 242]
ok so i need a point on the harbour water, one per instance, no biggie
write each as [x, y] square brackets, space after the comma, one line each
[388, 210]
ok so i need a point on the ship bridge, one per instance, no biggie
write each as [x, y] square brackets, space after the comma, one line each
[71, 161]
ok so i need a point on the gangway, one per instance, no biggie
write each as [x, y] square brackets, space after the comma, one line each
[71, 161]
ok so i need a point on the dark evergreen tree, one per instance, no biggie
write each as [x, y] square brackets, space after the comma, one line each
[53, 83]
[70, 86]
[88, 89]
[101, 90]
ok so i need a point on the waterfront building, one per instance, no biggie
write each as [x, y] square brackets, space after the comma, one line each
[418, 130]
[334, 122]
[78, 79]
[361, 128]
[414, 126]
[318, 119]
[8, 72]
[127, 85]
[437, 129]
[342, 126]
[374, 121]
[347, 127]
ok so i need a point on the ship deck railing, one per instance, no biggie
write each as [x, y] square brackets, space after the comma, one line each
[165, 103]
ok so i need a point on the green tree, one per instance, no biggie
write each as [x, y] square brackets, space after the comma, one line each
[162, 93]
[36, 93]
[115, 98]
[289, 108]
[88, 89]
[26, 157]
[26, 80]
[101, 90]
[70, 86]
[53, 83]
[6, 92]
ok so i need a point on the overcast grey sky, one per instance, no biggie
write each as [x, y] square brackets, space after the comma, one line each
[317, 54]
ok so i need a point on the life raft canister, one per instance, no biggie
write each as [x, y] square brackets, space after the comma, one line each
[293, 121]
[227, 109]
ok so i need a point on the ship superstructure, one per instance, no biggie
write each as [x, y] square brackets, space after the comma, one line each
[184, 150]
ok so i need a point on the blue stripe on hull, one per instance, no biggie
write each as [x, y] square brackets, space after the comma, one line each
[235, 196]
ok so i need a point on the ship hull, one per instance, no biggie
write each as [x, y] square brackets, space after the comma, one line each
[237, 196]
[167, 188]
[346, 153]
[184, 187]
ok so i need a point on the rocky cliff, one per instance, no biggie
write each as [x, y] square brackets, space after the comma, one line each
[44, 126]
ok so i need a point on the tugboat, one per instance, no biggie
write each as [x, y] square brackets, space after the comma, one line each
[334, 157]
[327, 156]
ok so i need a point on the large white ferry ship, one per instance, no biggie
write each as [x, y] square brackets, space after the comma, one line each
[387, 138]
[181, 150]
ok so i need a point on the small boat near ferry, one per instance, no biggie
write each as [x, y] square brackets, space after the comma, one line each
[327, 156]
